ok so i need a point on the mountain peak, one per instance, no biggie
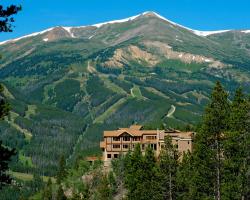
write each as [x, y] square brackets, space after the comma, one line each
[144, 14]
[150, 14]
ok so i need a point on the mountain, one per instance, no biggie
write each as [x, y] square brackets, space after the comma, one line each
[68, 84]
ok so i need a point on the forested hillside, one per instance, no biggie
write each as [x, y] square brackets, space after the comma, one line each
[66, 85]
[217, 168]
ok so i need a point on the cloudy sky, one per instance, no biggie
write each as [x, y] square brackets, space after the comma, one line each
[38, 15]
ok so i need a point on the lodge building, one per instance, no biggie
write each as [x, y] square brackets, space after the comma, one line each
[124, 139]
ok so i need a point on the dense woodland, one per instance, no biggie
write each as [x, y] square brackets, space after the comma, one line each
[218, 168]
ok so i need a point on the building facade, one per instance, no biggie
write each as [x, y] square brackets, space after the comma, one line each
[124, 139]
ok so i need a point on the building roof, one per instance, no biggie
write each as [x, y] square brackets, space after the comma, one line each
[181, 134]
[136, 130]
[136, 127]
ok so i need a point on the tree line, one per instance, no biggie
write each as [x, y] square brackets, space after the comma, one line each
[217, 168]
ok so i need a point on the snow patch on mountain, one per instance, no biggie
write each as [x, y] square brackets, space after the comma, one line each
[207, 33]
[99, 25]
[197, 32]
[116, 21]
[69, 30]
[246, 31]
[27, 36]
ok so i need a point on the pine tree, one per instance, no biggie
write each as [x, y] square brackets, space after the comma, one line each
[60, 194]
[5, 153]
[6, 18]
[184, 177]
[4, 106]
[37, 183]
[235, 149]
[104, 189]
[247, 192]
[62, 173]
[47, 192]
[112, 182]
[5, 158]
[148, 184]
[207, 173]
[133, 166]
[168, 163]
[142, 175]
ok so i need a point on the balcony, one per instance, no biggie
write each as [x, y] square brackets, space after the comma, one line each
[116, 149]
[126, 142]
[148, 141]
[116, 142]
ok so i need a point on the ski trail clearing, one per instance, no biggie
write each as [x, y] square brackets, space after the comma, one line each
[171, 111]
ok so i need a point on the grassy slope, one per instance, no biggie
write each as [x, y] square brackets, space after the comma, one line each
[29, 177]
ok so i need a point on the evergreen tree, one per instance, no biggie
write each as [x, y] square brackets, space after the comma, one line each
[184, 177]
[5, 158]
[5, 153]
[60, 194]
[148, 184]
[133, 169]
[104, 190]
[168, 167]
[235, 149]
[47, 192]
[6, 18]
[86, 191]
[246, 186]
[62, 173]
[4, 106]
[112, 182]
[141, 175]
[37, 183]
[207, 169]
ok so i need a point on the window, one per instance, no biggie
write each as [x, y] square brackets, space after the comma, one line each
[109, 156]
[116, 139]
[136, 139]
[188, 142]
[153, 146]
[115, 155]
[150, 137]
[125, 146]
[116, 146]
[143, 146]
[126, 138]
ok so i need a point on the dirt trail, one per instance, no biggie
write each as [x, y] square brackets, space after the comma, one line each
[171, 111]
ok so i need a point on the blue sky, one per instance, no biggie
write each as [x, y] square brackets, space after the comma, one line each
[196, 14]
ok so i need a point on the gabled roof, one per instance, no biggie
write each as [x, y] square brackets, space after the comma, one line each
[136, 127]
[134, 130]
[119, 132]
